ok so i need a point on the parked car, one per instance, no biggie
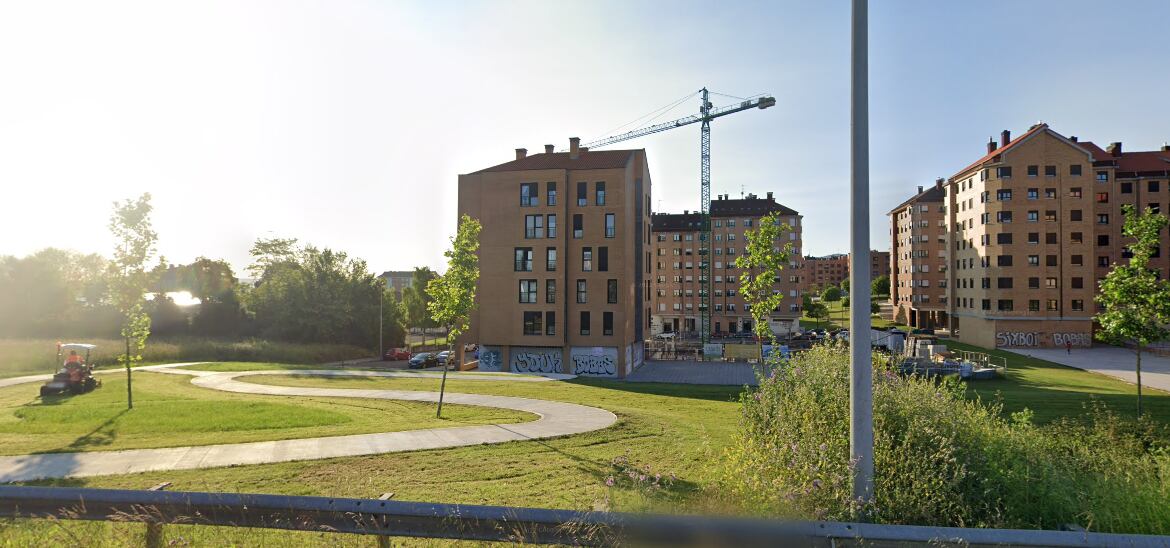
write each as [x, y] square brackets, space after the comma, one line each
[445, 356]
[396, 354]
[423, 359]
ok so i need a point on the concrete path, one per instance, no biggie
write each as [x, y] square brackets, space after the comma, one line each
[1108, 360]
[694, 372]
[556, 419]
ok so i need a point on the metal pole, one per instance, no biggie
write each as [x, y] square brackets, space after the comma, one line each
[860, 353]
[381, 297]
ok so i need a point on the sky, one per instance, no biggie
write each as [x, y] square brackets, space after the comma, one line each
[345, 124]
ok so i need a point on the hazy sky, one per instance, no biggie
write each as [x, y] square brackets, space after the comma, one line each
[345, 124]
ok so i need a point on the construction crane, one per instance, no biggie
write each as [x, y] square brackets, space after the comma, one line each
[707, 112]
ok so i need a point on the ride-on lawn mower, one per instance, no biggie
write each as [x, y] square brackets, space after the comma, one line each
[76, 375]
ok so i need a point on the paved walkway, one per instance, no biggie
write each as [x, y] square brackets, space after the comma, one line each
[694, 372]
[556, 419]
[1108, 360]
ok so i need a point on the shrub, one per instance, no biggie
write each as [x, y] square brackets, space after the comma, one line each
[940, 459]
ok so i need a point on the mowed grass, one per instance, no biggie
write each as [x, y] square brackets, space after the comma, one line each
[169, 412]
[1053, 391]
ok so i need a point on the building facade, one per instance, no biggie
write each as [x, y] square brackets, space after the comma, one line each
[563, 257]
[918, 244]
[676, 268]
[879, 264]
[398, 279]
[1033, 226]
[822, 272]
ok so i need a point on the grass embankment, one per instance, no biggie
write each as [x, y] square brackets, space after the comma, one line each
[169, 411]
[32, 356]
[1053, 391]
[839, 319]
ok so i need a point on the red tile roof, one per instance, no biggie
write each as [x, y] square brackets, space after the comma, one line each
[1152, 160]
[1097, 152]
[590, 159]
[1035, 129]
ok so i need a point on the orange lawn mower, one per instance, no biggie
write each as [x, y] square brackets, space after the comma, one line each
[76, 373]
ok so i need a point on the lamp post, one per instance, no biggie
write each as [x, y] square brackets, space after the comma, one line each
[381, 297]
[860, 353]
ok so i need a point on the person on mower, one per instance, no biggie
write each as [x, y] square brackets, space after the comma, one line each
[73, 359]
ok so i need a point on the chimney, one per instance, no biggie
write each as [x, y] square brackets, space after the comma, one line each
[1073, 138]
[1005, 137]
[574, 147]
[1114, 149]
[991, 146]
[521, 153]
[548, 149]
[938, 183]
[1165, 147]
[920, 189]
[770, 196]
[584, 149]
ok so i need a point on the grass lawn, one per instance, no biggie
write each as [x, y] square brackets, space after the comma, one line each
[1052, 390]
[839, 319]
[169, 411]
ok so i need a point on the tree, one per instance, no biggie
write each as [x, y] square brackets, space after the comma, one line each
[1136, 302]
[880, 285]
[831, 294]
[135, 240]
[415, 300]
[818, 312]
[762, 263]
[393, 328]
[845, 285]
[874, 307]
[452, 295]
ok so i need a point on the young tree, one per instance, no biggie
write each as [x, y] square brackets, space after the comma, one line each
[880, 285]
[130, 225]
[415, 301]
[1136, 302]
[762, 262]
[831, 294]
[845, 285]
[453, 294]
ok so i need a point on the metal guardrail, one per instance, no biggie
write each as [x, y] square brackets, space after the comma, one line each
[498, 523]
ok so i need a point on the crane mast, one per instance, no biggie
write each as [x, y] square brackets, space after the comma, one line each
[707, 112]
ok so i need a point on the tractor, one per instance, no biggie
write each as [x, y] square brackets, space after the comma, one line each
[76, 373]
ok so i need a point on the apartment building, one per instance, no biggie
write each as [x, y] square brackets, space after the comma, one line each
[563, 256]
[1033, 226]
[822, 272]
[918, 247]
[398, 279]
[879, 264]
[676, 268]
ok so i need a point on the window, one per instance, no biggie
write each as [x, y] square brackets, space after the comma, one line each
[1102, 176]
[1102, 218]
[1003, 195]
[1004, 305]
[1102, 197]
[1033, 283]
[532, 323]
[1033, 260]
[1103, 240]
[1050, 238]
[550, 323]
[985, 304]
[600, 193]
[607, 323]
[1074, 170]
[1033, 171]
[1050, 260]
[603, 259]
[550, 259]
[578, 226]
[528, 291]
[1153, 186]
[1033, 193]
[1004, 283]
[1127, 188]
[1077, 238]
[1050, 171]
[533, 226]
[1102, 260]
[1050, 215]
[582, 194]
[587, 259]
[1033, 216]
[611, 291]
[552, 193]
[550, 291]
[1003, 238]
[1078, 283]
[1033, 237]
[584, 322]
[1074, 215]
[523, 257]
[1053, 305]
[1033, 305]
[610, 225]
[1078, 305]
[529, 195]
[1004, 260]
[1050, 193]
[1155, 208]
[1003, 216]
[581, 292]
[1076, 260]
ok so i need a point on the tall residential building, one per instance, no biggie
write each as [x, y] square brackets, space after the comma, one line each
[879, 264]
[822, 272]
[676, 269]
[398, 279]
[1033, 226]
[918, 244]
[563, 256]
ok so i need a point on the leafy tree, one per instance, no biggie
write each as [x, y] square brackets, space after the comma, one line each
[831, 294]
[845, 285]
[415, 300]
[762, 262]
[1136, 302]
[880, 285]
[818, 312]
[393, 327]
[131, 227]
[453, 294]
[874, 307]
[845, 302]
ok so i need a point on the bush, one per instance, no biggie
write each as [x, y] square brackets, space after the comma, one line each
[940, 459]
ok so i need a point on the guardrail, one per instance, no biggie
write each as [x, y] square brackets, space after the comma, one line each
[498, 523]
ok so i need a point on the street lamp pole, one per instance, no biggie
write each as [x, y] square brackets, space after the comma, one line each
[860, 353]
[381, 297]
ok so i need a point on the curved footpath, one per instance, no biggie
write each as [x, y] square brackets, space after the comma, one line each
[556, 419]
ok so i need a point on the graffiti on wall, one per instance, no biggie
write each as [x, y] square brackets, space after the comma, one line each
[1026, 338]
[1073, 339]
[536, 360]
[594, 361]
[490, 358]
[639, 357]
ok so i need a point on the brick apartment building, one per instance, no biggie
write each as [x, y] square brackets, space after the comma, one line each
[676, 269]
[918, 244]
[1033, 225]
[564, 252]
[822, 272]
[879, 264]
